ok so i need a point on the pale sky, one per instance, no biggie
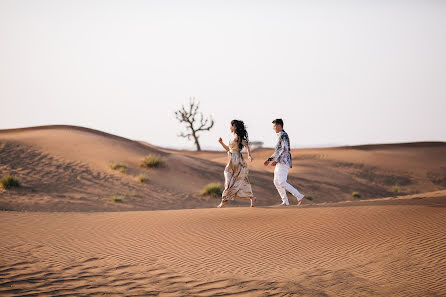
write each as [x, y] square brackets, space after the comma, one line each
[337, 72]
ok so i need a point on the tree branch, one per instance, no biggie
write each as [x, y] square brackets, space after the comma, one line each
[204, 123]
[182, 134]
[189, 117]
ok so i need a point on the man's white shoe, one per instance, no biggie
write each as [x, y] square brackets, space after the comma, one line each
[284, 204]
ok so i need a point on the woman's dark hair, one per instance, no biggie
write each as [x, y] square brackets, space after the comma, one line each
[278, 122]
[240, 130]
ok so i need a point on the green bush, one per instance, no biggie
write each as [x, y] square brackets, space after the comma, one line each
[117, 199]
[212, 189]
[9, 181]
[309, 198]
[152, 161]
[116, 166]
[396, 189]
[356, 195]
[142, 178]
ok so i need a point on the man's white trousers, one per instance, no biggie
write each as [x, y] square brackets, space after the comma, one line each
[280, 181]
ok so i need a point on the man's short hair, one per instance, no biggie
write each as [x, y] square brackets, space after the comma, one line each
[278, 122]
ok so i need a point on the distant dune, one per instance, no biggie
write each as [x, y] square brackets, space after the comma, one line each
[374, 171]
[62, 235]
[66, 168]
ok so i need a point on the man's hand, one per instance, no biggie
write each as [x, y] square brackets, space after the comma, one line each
[273, 163]
[220, 140]
[266, 163]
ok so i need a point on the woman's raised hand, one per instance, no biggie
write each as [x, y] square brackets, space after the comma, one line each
[220, 140]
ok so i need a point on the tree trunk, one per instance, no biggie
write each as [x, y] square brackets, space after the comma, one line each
[196, 140]
[198, 145]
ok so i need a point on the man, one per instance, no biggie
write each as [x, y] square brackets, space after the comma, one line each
[282, 160]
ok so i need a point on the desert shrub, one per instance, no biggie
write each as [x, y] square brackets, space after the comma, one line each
[9, 181]
[152, 161]
[356, 195]
[117, 199]
[141, 178]
[396, 189]
[212, 189]
[309, 198]
[116, 166]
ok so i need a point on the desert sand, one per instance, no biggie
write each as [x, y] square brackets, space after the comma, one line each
[63, 236]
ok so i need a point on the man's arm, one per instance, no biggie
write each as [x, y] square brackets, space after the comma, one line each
[280, 147]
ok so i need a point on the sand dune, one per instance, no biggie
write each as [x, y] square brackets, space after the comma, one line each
[62, 236]
[65, 168]
[332, 174]
[369, 250]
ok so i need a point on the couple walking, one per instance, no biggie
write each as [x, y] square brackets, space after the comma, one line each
[236, 171]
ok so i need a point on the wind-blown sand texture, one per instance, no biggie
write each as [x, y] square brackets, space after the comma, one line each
[382, 250]
[62, 236]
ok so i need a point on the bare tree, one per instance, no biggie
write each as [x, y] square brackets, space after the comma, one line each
[193, 124]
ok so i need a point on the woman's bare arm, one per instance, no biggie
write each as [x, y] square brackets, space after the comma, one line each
[245, 144]
[223, 145]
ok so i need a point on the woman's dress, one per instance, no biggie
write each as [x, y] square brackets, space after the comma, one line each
[237, 184]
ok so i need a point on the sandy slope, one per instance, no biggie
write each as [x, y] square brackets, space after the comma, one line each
[65, 168]
[392, 249]
[332, 174]
[70, 240]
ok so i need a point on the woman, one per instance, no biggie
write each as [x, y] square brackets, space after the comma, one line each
[236, 172]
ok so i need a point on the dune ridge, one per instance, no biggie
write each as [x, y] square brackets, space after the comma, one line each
[66, 168]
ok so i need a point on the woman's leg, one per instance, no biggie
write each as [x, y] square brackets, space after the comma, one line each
[222, 203]
[228, 177]
[253, 201]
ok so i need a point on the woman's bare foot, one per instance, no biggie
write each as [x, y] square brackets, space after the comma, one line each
[299, 202]
[222, 203]
[253, 201]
